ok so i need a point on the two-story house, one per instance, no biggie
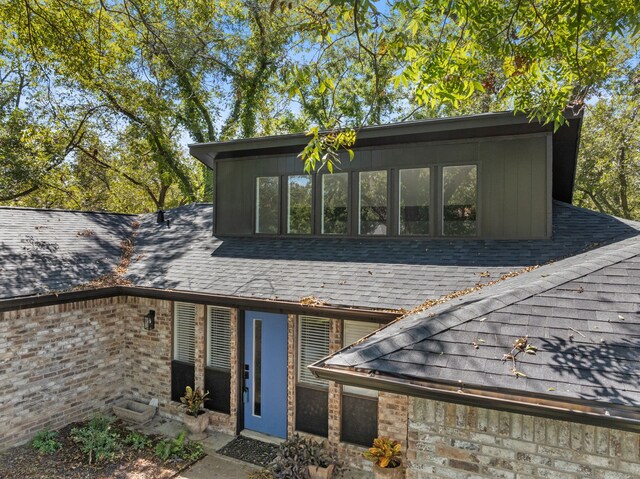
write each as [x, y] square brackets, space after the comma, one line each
[462, 227]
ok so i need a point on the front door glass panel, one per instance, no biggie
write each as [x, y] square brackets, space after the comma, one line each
[257, 367]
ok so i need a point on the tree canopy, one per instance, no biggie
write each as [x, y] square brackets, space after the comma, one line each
[99, 99]
[608, 176]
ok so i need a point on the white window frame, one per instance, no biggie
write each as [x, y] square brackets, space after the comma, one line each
[257, 203]
[289, 204]
[304, 376]
[442, 201]
[180, 310]
[386, 226]
[322, 199]
[429, 184]
[225, 347]
[362, 329]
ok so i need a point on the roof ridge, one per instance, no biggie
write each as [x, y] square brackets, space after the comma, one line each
[169, 210]
[447, 315]
[63, 210]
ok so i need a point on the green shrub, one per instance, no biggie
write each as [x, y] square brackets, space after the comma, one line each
[46, 442]
[179, 449]
[97, 440]
[137, 441]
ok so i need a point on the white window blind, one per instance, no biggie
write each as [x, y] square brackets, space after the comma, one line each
[219, 338]
[184, 332]
[313, 345]
[354, 331]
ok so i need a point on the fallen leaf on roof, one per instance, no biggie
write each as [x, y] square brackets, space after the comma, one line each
[116, 277]
[87, 232]
[311, 301]
[456, 294]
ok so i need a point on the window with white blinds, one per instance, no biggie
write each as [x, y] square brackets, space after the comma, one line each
[219, 338]
[354, 331]
[313, 345]
[184, 346]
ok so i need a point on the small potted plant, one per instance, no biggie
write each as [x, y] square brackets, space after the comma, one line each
[321, 464]
[386, 458]
[301, 457]
[195, 418]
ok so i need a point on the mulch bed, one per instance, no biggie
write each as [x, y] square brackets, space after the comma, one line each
[250, 450]
[70, 463]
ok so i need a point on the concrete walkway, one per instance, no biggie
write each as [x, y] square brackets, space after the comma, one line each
[214, 465]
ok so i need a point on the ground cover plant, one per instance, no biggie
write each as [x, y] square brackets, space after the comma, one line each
[46, 442]
[179, 449]
[99, 448]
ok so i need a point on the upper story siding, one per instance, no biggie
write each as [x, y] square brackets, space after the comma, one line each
[513, 184]
[515, 168]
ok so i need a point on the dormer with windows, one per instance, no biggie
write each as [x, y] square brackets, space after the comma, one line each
[490, 176]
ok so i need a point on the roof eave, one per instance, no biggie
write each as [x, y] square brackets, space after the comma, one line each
[202, 153]
[564, 409]
[49, 299]
[207, 152]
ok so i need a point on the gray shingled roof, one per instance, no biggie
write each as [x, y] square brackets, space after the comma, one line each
[53, 250]
[583, 313]
[366, 273]
[42, 251]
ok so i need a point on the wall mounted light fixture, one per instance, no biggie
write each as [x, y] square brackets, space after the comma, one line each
[149, 320]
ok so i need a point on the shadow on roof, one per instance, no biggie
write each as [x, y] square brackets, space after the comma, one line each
[42, 251]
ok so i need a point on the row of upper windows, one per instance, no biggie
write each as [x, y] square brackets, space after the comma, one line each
[457, 185]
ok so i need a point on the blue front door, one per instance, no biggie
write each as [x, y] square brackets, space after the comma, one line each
[265, 373]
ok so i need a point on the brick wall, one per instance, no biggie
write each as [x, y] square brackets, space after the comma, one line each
[200, 358]
[451, 441]
[147, 354]
[227, 422]
[65, 363]
[392, 408]
[217, 421]
[58, 364]
[393, 413]
[350, 454]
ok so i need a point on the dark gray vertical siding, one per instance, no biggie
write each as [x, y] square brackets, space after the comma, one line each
[493, 191]
[540, 190]
[514, 188]
[512, 174]
[233, 189]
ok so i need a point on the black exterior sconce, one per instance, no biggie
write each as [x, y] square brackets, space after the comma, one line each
[149, 320]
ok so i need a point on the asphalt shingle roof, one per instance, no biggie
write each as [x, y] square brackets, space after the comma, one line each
[367, 273]
[42, 251]
[582, 313]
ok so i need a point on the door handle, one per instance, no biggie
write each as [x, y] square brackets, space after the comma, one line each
[245, 394]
